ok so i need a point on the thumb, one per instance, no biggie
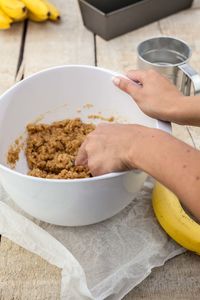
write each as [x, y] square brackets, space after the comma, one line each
[81, 159]
[128, 86]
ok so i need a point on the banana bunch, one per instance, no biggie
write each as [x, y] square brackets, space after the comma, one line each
[18, 10]
[174, 219]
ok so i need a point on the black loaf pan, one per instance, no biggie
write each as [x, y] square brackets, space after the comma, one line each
[111, 18]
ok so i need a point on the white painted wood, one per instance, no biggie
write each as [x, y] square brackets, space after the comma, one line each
[120, 53]
[10, 41]
[68, 42]
[196, 4]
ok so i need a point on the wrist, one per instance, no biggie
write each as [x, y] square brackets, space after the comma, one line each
[142, 138]
[175, 110]
[145, 149]
[184, 111]
[189, 111]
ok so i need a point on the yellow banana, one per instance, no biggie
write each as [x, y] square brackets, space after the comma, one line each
[54, 13]
[36, 18]
[5, 20]
[15, 9]
[23, 18]
[38, 10]
[174, 219]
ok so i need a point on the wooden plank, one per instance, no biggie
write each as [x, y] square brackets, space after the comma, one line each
[10, 41]
[51, 44]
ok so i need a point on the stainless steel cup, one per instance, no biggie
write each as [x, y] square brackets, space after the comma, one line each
[170, 57]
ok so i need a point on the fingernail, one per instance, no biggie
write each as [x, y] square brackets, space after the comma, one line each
[116, 80]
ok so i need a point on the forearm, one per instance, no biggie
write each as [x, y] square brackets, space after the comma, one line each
[170, 161]
[186, 111]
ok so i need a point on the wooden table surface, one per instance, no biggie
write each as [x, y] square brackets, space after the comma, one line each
[30, 47]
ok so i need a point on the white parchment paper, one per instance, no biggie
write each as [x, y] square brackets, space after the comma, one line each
[101, 261]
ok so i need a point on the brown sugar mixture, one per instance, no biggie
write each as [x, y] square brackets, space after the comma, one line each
[51, 149]
[13, 155]
[110, 119]
[14, 150]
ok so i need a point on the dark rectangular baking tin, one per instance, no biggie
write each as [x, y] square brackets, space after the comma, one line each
[111, 18]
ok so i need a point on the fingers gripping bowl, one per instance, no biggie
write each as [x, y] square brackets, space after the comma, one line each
[56, 94]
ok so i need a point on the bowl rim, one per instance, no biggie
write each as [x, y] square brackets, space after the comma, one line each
[166, 126]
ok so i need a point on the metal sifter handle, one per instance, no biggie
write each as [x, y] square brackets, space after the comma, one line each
[189, 77]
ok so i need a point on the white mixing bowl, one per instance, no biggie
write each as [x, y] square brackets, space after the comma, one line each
[56, 94]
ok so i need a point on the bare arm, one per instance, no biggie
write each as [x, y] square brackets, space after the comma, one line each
[173, 163]
[160, 99]
[122, 147]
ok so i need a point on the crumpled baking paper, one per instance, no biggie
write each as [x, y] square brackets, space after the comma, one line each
[101, 261]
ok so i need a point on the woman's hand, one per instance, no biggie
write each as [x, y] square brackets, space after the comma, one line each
[156, 96]
[107, 148]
